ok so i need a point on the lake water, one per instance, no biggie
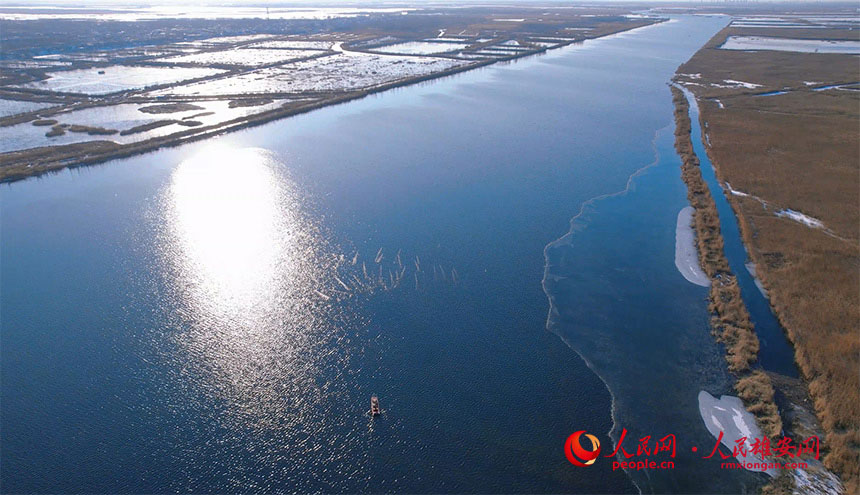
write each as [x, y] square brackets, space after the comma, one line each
[215, 317]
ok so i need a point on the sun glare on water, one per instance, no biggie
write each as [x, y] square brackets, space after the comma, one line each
[226, 209]
[246, 262]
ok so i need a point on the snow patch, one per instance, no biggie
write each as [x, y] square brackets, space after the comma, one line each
[742, 83]
[801, 218]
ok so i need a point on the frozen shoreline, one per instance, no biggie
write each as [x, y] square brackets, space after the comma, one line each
[686, 256]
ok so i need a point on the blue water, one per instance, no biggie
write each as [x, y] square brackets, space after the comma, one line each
[776, 353]
[215, 317]
[618, 300]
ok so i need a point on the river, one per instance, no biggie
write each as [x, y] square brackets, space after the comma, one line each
[215, 317]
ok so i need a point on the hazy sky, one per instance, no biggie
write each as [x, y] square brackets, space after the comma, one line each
[288, 3]
[335, 3]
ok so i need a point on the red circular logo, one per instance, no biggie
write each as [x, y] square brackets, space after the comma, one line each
[577, 455]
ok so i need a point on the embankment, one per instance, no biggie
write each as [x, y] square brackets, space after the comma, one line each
[730, 321]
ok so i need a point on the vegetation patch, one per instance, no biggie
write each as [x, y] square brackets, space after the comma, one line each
[797, 150]
[57, 130]
[147, 127]
[170, 108]
[730, 321]
[92, 131]
[196, 115]
[249, 102]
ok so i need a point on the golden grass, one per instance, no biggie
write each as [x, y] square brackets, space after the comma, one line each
[798, 151]
[730, 322]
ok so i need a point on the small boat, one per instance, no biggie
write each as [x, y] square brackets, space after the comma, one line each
[374, 406]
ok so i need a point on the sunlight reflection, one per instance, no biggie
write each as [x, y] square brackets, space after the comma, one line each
[226, 213]
[247, 263]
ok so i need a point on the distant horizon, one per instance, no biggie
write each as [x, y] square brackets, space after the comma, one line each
[370, 3]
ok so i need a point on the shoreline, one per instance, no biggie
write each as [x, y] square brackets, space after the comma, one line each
[33, 162]
[730, 323]
[552, 305]
[807, 264]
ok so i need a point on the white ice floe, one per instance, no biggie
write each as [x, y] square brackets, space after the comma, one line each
[800, 217]
[728, 416]
[686, 256]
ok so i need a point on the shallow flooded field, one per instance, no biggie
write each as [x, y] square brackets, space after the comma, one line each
[124, 117]
[249, 57]
[12, 107]
[790, 45]
[105, 80]
[421, 48]
[293, 45]
[340, 72]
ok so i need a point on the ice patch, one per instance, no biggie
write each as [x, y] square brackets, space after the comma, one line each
[801, 218]
[686, 256]
[728, 416]
[742, 84]
[735, 192]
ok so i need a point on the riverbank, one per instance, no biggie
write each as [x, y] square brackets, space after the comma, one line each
[791, 159]
[730, 323]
